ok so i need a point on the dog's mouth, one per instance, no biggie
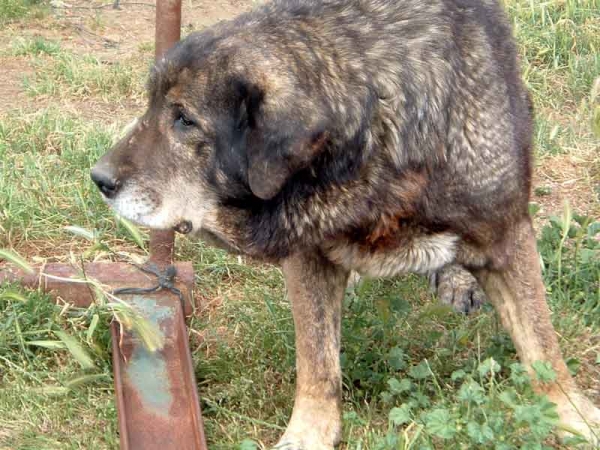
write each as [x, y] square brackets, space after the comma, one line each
[184, 227]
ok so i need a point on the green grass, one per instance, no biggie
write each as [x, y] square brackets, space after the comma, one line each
[400, 348]
[12, 10]
[44, 176]
[37, 409]
[559, 42]
[63, 73]
[415, 373]
[67, 74]
[36, 46]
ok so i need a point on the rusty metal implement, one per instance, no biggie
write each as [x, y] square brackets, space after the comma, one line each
[157, 401]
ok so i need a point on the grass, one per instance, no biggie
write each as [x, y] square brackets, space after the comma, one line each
[80, 77]
[559, 44]
[416, 375]
[34, 377]
[12, 10]
[44, 177]
[36, 46]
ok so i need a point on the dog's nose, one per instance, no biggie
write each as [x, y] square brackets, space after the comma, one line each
[106, 181]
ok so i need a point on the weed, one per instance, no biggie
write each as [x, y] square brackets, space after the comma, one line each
[480, 410]
[480, 404]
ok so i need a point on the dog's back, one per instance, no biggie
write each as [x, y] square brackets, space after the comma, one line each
[426, 87]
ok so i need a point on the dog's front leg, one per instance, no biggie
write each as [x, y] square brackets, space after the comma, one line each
[315, 288]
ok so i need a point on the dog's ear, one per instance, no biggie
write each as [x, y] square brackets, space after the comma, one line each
[277, 145]
[274, 156]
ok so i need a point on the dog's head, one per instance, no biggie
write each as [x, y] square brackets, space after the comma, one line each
[226, 121]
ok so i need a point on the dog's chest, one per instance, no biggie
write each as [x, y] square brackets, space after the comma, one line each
[393, 250]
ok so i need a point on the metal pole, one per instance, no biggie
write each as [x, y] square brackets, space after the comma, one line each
[168, 25]
[167, 33]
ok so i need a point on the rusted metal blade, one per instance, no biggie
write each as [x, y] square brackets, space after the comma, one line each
[54, 278]
[157, 400]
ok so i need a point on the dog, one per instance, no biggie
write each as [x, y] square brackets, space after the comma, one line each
[376, 136]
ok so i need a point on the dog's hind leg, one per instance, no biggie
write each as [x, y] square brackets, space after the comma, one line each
[518, 294]
[315, 288]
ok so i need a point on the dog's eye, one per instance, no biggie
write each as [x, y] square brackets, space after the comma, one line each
[182, 119]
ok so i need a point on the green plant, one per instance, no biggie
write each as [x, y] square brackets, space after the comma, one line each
[481, 410]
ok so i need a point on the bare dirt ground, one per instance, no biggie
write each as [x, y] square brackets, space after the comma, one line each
[567, 178]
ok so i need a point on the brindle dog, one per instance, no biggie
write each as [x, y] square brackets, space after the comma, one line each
[381, 136]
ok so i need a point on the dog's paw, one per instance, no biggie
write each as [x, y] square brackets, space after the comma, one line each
[579, 415]
[456, 286]
[314, 425]
[299, 444]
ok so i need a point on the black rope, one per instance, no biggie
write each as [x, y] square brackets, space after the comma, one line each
[166, 280]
